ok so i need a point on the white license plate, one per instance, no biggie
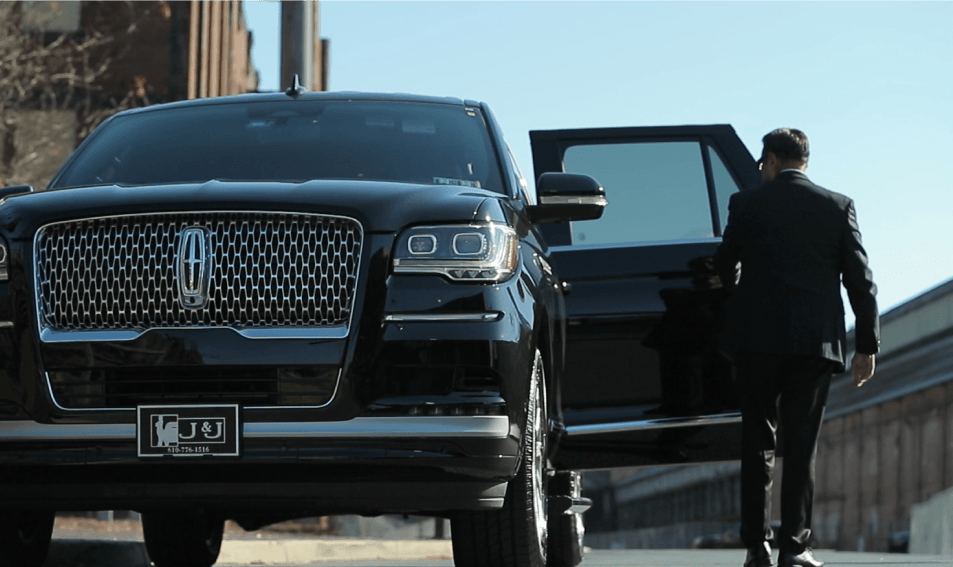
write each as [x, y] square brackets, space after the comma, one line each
[188, 431]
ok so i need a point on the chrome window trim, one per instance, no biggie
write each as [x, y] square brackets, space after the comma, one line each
[483, 427]
[707, 240]
[337, 385]
[334, 332]
[488, 317]
[651, 424]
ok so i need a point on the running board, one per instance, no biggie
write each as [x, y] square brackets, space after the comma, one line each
[650, 424]
[566, 505]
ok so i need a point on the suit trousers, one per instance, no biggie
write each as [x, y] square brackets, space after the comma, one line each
[789, 389]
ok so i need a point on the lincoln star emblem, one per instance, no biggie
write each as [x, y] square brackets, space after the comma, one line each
[193, 267]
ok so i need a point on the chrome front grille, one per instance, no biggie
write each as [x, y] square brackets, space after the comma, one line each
[269, 274]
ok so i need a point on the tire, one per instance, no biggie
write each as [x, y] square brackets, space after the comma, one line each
[25, 537]
[182, 539]
[515, 535]
[566, 531]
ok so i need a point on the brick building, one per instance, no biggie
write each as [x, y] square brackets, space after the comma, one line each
[158, 52]
[889, 445]
[179, 50]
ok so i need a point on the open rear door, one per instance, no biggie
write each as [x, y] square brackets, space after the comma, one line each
[645, 382]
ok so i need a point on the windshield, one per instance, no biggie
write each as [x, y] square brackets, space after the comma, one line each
[293, 140]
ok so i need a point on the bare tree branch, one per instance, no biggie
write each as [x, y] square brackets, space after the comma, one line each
[62, 73]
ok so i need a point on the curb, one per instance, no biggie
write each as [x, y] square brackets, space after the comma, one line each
[115, 553]
[313, 552]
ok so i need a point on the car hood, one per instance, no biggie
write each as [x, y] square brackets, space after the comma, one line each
[378, 206]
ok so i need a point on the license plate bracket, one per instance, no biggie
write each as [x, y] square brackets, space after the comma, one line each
[188, 431]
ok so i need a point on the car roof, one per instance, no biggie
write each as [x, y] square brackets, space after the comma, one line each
[321, 95]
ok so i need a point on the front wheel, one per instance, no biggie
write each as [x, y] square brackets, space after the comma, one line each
[25, 537]
[182, 539]
[515, 535]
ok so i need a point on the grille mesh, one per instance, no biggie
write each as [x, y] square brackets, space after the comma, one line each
[267, 270]
[250, 386]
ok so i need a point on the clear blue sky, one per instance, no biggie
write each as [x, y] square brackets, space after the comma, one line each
[870, 83]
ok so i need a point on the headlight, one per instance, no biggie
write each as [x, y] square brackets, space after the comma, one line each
[485, 252]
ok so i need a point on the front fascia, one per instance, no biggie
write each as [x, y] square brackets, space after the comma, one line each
[495, 352]
[219, 347]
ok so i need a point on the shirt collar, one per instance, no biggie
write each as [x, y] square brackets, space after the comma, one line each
[792, 172]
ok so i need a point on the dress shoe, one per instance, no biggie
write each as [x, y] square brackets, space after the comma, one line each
[759, 556]
[803, 559]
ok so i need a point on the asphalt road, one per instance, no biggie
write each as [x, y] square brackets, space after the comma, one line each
[84, 543]
[684, 558]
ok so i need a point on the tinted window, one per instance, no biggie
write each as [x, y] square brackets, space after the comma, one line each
[725, 185]
[292, 140]
[656, 191]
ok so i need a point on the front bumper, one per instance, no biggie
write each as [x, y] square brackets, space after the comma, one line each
[365, 465]
[366, 428]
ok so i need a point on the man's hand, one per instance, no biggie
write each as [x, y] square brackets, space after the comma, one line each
[862, 367]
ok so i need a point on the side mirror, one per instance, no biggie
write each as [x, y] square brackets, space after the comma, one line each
[567, 197]
[15, 190]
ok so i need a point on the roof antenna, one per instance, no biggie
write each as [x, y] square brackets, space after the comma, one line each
[296, 89]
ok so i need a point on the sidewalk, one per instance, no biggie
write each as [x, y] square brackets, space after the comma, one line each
[89, 543]
[309, 552]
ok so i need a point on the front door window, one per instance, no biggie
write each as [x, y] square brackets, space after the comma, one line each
[657, 192]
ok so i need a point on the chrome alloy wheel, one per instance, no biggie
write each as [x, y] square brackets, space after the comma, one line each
[517, 534]
[540, 420]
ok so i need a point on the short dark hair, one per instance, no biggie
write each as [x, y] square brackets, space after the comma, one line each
[788, 144]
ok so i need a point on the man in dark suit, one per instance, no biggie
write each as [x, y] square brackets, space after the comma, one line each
[786, 249]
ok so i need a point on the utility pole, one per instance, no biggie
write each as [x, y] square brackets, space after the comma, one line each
[298, 23]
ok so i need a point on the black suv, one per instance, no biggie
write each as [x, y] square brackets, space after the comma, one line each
[285, 305]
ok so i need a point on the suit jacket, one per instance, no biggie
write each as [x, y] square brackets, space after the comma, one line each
[796, 242]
